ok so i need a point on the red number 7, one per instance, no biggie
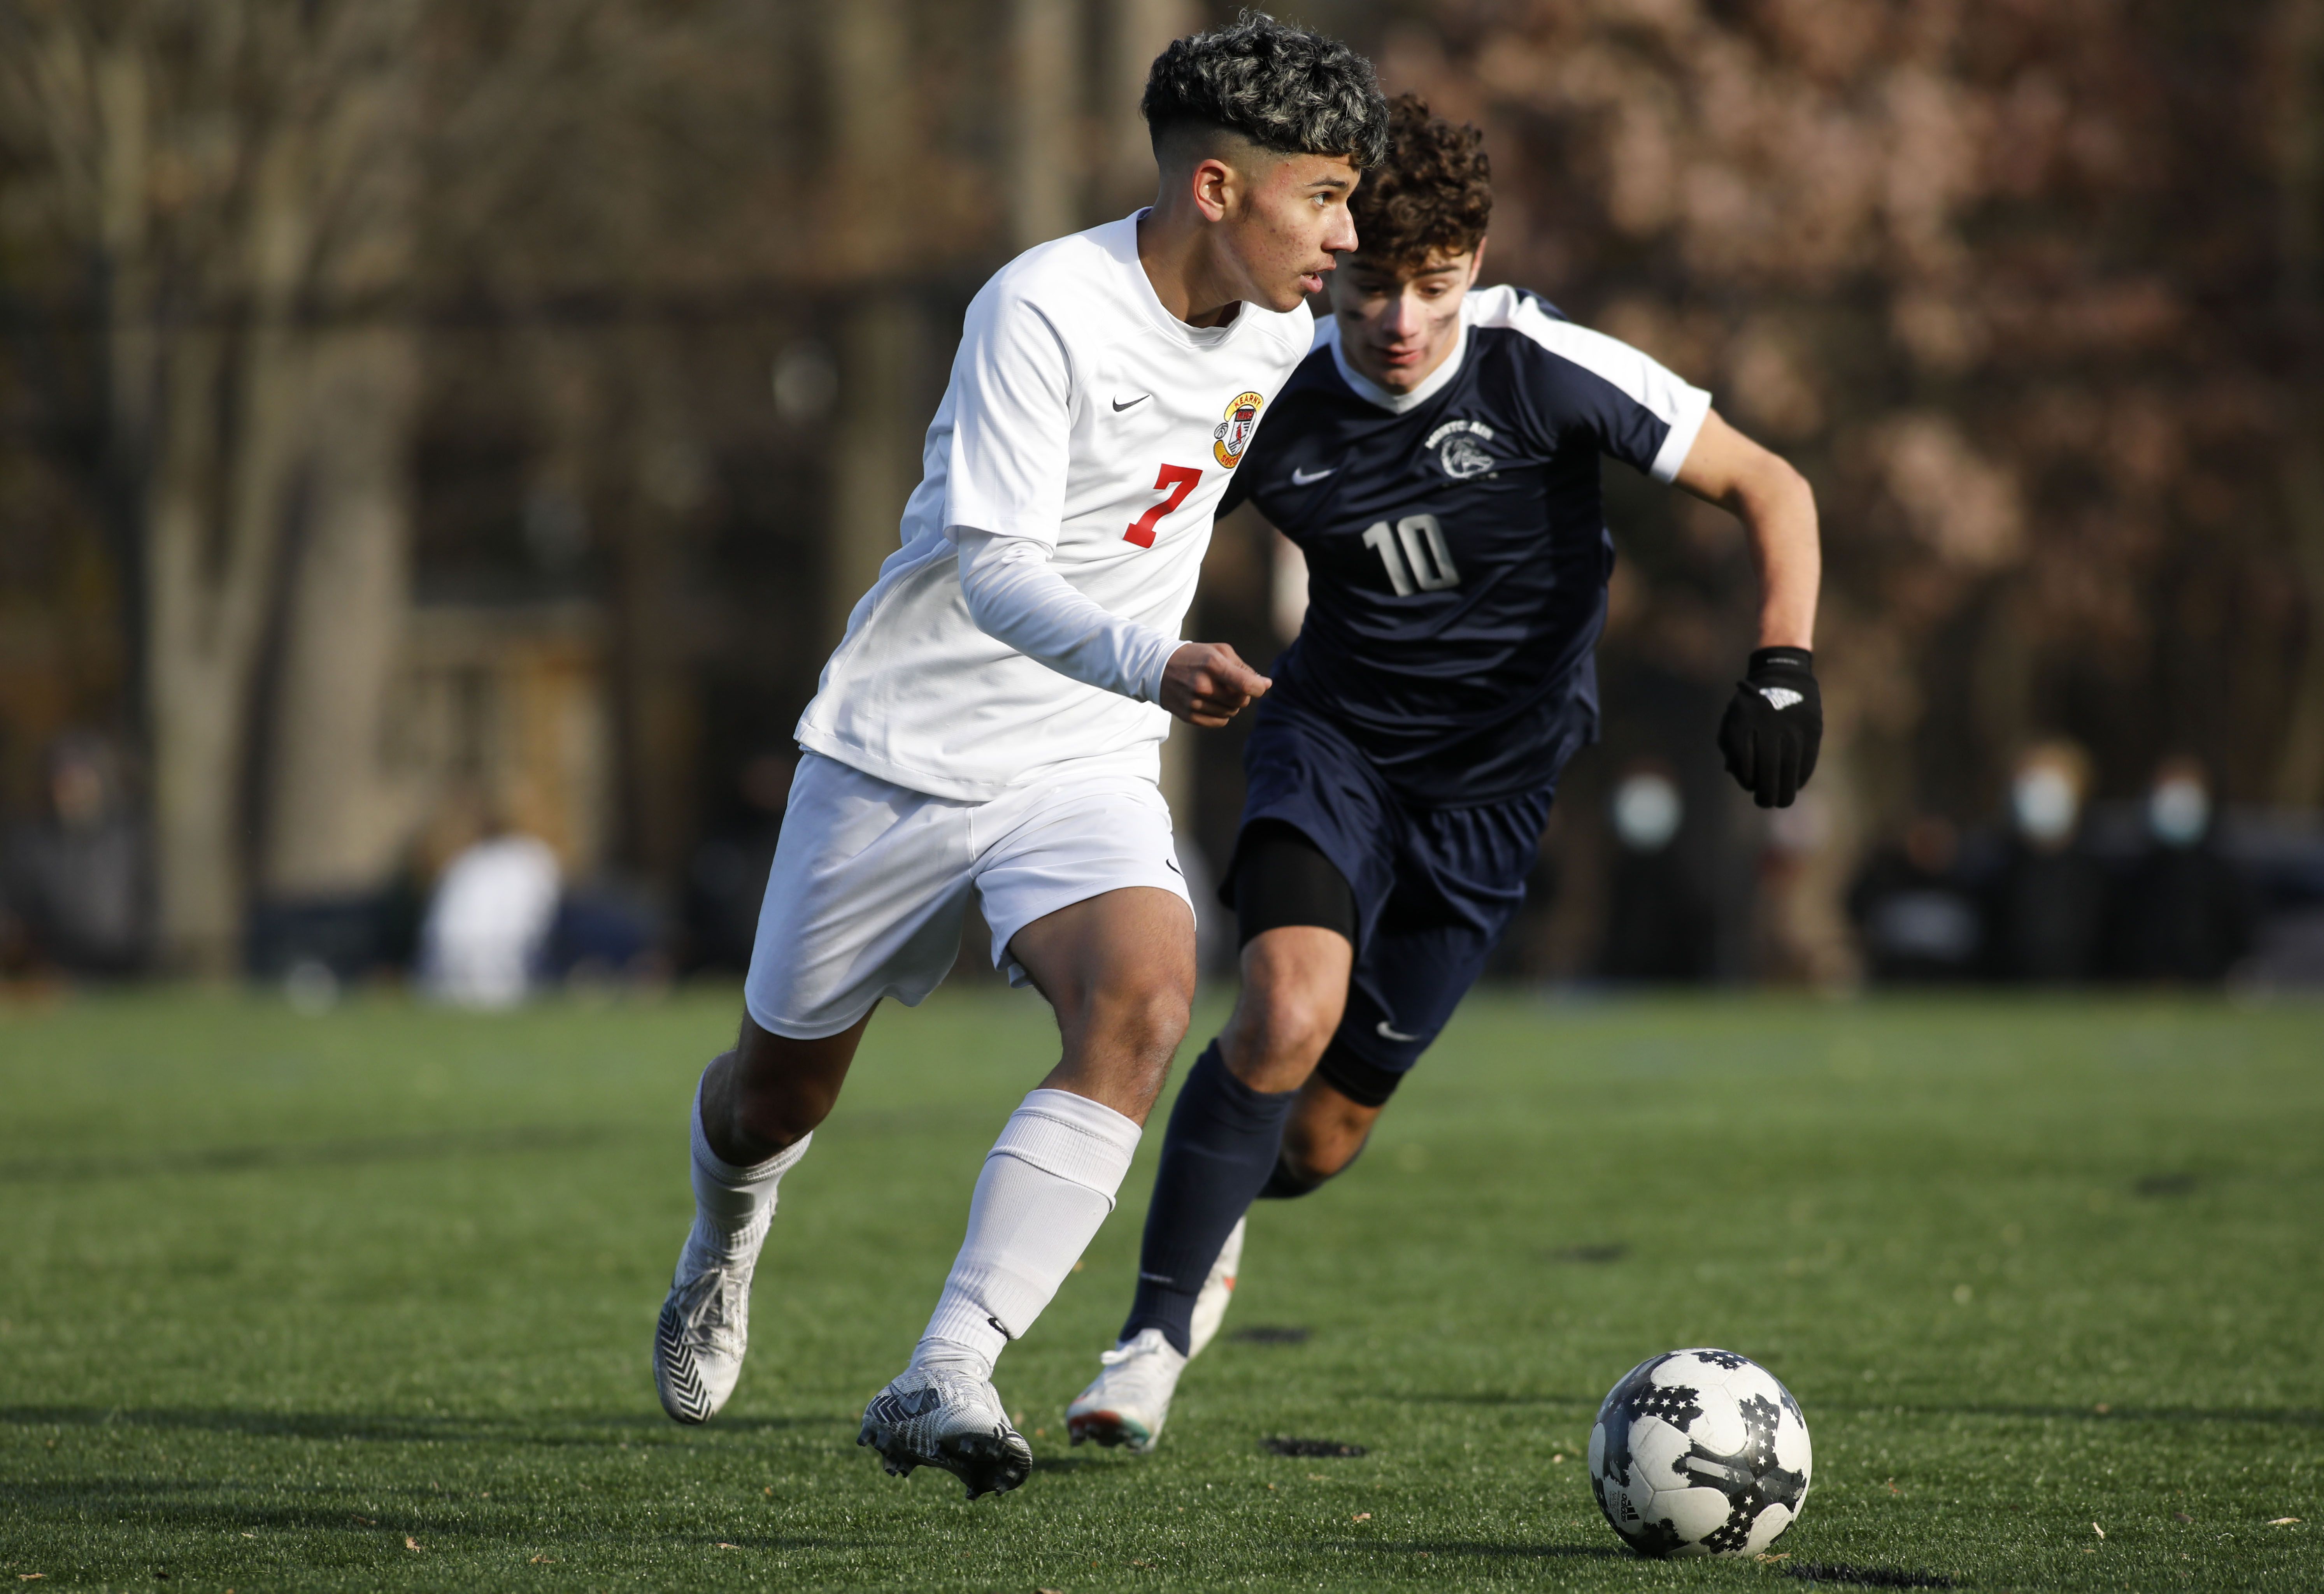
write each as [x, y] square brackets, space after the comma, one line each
[1177, 480]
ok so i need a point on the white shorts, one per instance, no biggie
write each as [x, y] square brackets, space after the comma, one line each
[871, 881]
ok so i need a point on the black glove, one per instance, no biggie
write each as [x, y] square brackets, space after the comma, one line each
[1774, 726]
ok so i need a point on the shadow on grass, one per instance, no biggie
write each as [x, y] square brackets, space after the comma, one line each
[604, 1429]
[335, 1153]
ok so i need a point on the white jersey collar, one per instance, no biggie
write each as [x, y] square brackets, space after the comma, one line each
[1372, 393]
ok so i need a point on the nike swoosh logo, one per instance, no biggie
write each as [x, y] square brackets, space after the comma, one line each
[1172, 865]
[1302, 479]
[1388, 1032]
[1122, 405]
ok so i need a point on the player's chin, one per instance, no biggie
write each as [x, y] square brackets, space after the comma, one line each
[1291, 296]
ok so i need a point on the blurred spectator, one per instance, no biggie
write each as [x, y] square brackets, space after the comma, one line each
[2045, 912]
[728, 875]
[2183, 913]
[488, 924]
[1658, 923]
[1918, 919]
[606, 934]
[79, 879]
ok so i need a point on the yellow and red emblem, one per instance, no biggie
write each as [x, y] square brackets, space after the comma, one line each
[1230, 434]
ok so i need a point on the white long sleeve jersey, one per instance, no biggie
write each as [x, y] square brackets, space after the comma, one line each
[1083, 418]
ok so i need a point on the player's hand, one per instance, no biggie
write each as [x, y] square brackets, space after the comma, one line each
[1206, 683]
[1774, 725]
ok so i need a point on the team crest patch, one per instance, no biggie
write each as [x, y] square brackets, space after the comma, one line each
[1460, 448]
[1229, 435]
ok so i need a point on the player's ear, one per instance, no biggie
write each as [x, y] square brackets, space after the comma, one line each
[1476, 262]
[1215, 185]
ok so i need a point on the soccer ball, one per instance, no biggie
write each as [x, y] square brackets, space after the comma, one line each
[1699, 1452]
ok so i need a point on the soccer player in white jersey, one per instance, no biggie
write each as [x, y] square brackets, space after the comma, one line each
[991, 723]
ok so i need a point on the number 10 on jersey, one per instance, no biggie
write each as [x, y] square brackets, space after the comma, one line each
[1415, 555]
[1177, 480]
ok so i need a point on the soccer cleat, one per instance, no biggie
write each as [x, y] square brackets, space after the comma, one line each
[1126, 1404]
[936, 1417]
[704, 1328]
[1218, 1290]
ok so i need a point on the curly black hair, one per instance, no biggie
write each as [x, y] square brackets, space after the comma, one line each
[1432, 197]
[1285, 89]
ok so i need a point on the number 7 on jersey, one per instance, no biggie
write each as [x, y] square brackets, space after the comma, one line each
[1177, 480]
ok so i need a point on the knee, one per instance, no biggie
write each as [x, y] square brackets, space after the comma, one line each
[1297, 1025]
[1150, 1018]
[1135, 1015]
[1277, 1034]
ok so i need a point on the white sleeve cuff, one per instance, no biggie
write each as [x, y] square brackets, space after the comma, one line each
[1693, 406]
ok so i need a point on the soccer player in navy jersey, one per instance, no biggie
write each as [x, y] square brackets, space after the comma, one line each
[1437, 459]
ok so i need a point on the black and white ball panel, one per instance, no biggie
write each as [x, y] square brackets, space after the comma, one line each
[1699, 1452]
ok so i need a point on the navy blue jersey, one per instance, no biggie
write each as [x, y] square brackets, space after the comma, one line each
[1456, 544]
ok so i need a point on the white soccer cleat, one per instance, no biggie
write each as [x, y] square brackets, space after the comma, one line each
[704, 1328]
[1218, 1290]
[937, 1417]
[1127, 1402]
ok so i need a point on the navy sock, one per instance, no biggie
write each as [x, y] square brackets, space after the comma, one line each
[1220, 1147]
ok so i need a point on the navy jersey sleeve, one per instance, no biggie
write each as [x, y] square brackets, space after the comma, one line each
[1584, 385]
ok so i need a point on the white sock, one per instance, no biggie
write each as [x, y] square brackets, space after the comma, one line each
[1047, 1184]
[733, 1206]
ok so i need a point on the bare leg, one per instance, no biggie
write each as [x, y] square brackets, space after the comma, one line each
[1294, 988]
[1120, 971]
[1226, 1126]
[1325, 1132]
[771, 1091]
[759, 1103]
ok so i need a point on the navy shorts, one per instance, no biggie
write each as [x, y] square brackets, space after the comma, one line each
[1434, 888]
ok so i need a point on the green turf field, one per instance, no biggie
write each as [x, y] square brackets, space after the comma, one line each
[363, 1301]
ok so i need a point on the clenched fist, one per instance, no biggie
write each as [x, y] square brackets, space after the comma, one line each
[1206, 683]
[1774, 726]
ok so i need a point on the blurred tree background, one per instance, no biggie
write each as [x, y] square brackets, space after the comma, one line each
[421, 418]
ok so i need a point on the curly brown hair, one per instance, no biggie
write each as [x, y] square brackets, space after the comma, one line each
[1433, 194]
